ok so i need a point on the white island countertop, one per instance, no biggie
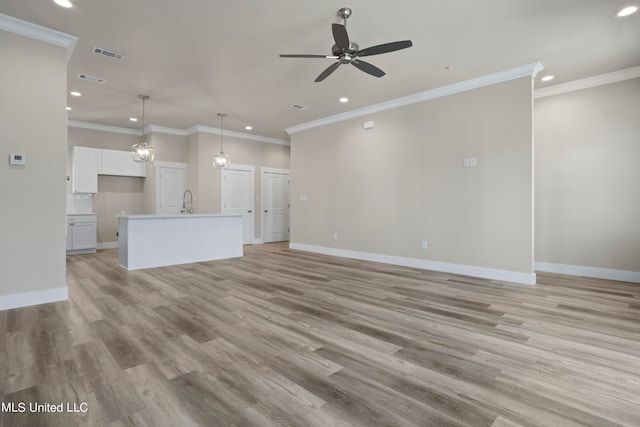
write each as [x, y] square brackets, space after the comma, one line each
[182, 216]
[147, 241]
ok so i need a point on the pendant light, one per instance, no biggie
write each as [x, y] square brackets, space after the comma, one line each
[143, 152]
[221, 160]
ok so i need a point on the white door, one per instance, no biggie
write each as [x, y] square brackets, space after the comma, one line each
[237, 197]
[275, 207]
[170, 189]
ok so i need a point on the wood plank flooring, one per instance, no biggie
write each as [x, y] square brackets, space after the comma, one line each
[288, 338]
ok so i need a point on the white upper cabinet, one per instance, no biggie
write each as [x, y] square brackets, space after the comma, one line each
[88, 163]
[84, 177]
[120, 163]
[111, 162]
[133, 168]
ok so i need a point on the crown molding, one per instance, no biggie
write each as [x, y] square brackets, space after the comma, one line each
[475, 83]
[38, 32]
[162, 129]
[243, 135]
[173, 131]
[104, 128]
[586, 83]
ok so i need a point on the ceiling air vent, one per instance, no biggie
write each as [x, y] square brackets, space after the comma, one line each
[91, 78]
[108, 53]
[298, 107]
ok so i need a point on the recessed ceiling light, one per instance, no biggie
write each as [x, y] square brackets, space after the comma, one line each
[344, 99]
[626, 11]
[74, 93]
[133, 119]
[248, 127]
[547, 78]
[63, 3]
[68, 108]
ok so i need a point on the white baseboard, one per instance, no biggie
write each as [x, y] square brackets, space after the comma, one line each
[466, 270]
[598, 273]
[26, 299]
[108, 245]
[257, 242]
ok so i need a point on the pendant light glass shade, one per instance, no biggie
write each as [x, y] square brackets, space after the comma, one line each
[221, 160]
[142, 151]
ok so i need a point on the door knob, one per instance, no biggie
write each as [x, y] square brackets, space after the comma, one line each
[250, 211]
[265, 211]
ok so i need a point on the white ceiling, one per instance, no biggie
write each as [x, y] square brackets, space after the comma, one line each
[196, 58]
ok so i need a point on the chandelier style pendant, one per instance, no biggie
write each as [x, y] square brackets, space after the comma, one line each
[142, 151]
[221, 160]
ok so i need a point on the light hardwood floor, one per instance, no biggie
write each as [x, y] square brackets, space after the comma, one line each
[282, 337]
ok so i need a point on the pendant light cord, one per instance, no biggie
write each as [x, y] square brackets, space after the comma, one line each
[144, 98]
[221, 129]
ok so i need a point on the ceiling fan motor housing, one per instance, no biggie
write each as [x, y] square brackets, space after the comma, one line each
[345, 56]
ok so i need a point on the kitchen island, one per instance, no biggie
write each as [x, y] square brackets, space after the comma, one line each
[146, 241]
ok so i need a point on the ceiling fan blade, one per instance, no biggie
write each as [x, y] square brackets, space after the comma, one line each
[330, 69]
[340, 36]
[367, 68]
[308, 56]
[384, 48]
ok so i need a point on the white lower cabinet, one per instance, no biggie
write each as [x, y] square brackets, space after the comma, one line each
[81, 233]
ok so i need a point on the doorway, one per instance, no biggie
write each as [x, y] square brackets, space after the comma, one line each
[170, 186]
[275, 204]
[238, 196]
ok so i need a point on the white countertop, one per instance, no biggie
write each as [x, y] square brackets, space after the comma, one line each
[82, 213]
[170, 216]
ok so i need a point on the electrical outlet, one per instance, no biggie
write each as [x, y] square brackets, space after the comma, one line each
[467, 162]
[335, 236]
[423, 244]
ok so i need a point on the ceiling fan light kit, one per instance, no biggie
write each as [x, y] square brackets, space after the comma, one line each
[346, 51]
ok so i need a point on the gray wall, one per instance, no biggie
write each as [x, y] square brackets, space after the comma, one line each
[33, 208]
[587, 154]
[386, 189]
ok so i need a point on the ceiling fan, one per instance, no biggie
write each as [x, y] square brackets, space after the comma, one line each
[348, 52]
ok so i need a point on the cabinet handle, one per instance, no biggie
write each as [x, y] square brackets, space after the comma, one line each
[250, 211]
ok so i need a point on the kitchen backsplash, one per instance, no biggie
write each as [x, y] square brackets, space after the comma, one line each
[79, 203]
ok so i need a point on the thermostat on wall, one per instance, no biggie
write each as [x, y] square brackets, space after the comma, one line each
[17, 159]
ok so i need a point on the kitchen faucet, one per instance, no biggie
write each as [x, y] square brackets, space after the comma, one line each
[184, 202]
